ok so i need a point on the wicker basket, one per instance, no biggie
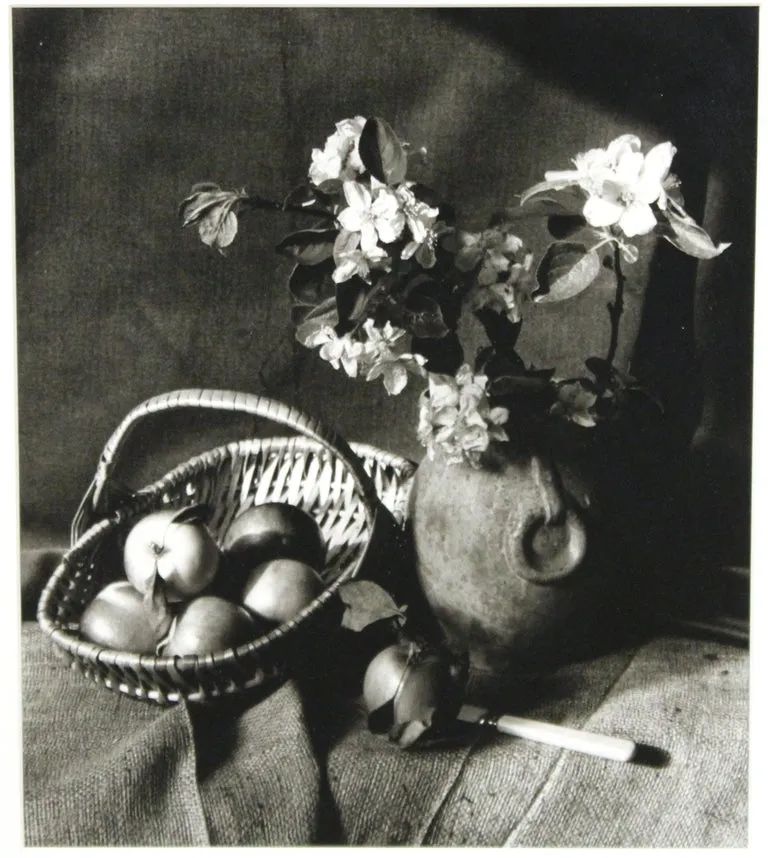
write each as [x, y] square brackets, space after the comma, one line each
[356, 494]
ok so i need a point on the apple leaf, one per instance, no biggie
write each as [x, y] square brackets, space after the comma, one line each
[352, 299]
[406, 735]
[563, 225]
[565, 271]
[308, 246]
[312, 284]
[382, 719]
[367, 603]
[307, 196]
[156, 603]
[688, 236]
[324, 315]
[196, 514]
[423, 316]
[382, 153]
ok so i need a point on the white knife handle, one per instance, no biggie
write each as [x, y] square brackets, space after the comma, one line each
[610, 747]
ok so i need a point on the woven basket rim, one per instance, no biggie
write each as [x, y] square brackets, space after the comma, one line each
[144, 497]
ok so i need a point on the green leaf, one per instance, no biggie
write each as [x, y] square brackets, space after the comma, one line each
[424, 317]
[307, 196]
[382, 153]
[692, 239]
[444, 355]
[502, 333]
[518, 385]
[308, 246]
[561, 226]
[322, 316]
[195, 514]
[352, 298]
[156, 604]
[381, 719]
[548, 185]
[366, 603]
[566, 270]
[406, 735]
[599, 367]
[312, 284]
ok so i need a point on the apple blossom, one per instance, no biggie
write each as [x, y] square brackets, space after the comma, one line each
[344, 351]
[621, 183]
[375, 214]
[421, 220]
[351, 261]
[455, 416]
[382, 361]
[339, 160]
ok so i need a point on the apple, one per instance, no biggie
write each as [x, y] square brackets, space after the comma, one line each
[271, 530]
[278, 589]
[119, 618]
[414, 678]
[211, 624]
[177, 546]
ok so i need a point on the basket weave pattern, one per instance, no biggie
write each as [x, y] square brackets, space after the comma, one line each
[356, 494]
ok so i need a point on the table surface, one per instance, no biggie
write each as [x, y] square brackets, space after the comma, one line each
[299, 766]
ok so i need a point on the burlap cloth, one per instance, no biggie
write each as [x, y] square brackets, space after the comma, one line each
[298, 766]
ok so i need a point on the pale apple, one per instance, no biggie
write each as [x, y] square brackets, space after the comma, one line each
[210, 624]
[278, 589]
[118, 618]
[183, 553]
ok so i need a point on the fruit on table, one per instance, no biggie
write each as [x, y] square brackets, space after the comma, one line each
[178, 547]
[411, 688]
[118, 618]
[274, 529]
[278, 589]
[211, 624]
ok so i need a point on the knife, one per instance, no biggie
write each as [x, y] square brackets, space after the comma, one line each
[610, 747]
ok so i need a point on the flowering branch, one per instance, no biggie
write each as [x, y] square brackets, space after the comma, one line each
[616, 307]
[382, 276]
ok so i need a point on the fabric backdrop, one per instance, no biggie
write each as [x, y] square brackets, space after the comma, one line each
[118, 112]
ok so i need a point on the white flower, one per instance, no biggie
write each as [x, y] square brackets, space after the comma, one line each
[455, 416]
[351, 261]
[621, 183]
[394, 371]
[383, 362]
[501, 277]
[421, 220]
[339, 160]
[339, 351]
[375, 214]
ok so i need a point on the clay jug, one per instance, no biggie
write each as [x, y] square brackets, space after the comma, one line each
[508, 557]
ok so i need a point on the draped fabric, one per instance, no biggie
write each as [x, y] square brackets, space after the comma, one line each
[295, 768]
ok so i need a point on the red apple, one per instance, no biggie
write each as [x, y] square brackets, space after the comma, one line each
[118, 618]
[181, 551]
[278, 589]
[271, 530]
[211, 624]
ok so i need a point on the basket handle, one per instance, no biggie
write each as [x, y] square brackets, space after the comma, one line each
[219, 400]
